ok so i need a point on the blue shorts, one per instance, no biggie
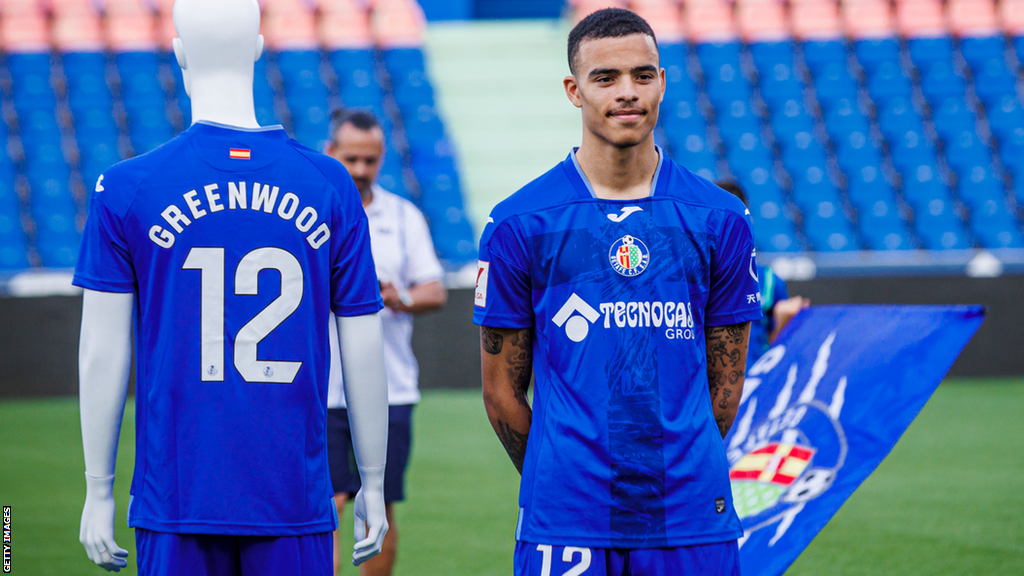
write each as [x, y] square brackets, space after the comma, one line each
[167, 554]
[345, 474]
[717, 559]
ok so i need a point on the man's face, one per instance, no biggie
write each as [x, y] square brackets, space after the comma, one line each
[618, 85]
[360, 151]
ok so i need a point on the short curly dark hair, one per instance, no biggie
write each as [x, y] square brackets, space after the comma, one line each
[606, 23]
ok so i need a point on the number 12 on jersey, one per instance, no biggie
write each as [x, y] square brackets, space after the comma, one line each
[210, 261]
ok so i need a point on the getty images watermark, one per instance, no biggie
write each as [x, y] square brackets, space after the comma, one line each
[7, 539]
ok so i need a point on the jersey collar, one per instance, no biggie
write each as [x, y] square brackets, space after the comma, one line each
[582, 185]
[215, 144]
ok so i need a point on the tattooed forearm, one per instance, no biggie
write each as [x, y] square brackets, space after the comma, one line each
[507, 362]
[491, 340]
[514, 443]
[726, 362]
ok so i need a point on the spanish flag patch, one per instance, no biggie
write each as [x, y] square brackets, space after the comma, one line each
[239, 154]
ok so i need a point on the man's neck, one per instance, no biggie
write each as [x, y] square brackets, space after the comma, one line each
[367, 196]
[618, 173]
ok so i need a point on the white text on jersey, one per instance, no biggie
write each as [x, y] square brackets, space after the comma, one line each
[264, 197]
[625, 213]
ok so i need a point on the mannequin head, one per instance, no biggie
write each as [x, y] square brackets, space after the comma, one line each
[218, 42]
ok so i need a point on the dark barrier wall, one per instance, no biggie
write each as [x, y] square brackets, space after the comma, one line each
[39, 336]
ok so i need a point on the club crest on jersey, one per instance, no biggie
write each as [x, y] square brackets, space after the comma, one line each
[629, 256]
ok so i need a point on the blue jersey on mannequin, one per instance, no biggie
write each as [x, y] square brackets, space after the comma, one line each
[237, 245]
[623, 450]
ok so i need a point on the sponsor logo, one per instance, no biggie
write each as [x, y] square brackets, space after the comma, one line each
[480, 299]
[625, 213]
[753, 267]
[719, 505]
[673, 320]
[629, 256]
[576, 316]
[239, 154]
[99, 184]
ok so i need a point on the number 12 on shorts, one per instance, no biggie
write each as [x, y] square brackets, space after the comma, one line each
[568, 554]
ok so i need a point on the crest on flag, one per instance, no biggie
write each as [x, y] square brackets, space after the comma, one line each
[629, 256]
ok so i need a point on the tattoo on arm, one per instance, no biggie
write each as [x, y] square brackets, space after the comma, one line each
[726, 357]
[514, 443]
[520, 364]
[491, 340]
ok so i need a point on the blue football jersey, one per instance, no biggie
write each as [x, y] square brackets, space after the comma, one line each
[237, 245]
[623, 450]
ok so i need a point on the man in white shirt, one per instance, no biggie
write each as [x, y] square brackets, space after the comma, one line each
[410, 283]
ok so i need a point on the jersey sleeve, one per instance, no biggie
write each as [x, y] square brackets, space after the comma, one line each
[734, 286]
[104, 259]
[354, 287]
[504, 297]
[423, 264]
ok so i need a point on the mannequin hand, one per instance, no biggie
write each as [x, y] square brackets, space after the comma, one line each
[371, 523]
[97, 531]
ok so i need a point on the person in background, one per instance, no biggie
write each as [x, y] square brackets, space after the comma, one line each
[410, 283]
[776, 305]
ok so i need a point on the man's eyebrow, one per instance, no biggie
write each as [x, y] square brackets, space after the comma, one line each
[616, 71]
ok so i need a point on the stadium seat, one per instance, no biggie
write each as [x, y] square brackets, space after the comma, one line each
[966, 148]
[845, 115]
[952, 116]
[981, 49]
[726, 83]
[898, 115]
[833, 82]
[779, 82]
[790, 118]
[941, 80]
[872, 52]
[13, 255]
[748, 151]
[941, 233]
[925, 51]
[1004, 117]
[883, 228]
[820, 53]
[887, 81]
[768, 54]
[911, 148]
[993, 80]
[803, 150]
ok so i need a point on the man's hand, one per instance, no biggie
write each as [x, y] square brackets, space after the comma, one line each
[784, 311]
[391, 298]
[371, 522]
[97, 530]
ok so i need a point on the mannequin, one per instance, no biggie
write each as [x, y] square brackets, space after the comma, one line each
[218, 43]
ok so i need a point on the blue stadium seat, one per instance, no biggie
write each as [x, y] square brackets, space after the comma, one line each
[33, 91]
[1005, 117]
[812, 185]
[1018, 46]
[803, 150]
[966, 148]
[953, 116]
[981, 48]
[726, 83]
[13, 255]
[311, 124]
[673, 54]
[679, 85]
[887, 81]
[767, 54]
[926, 51]
[714, 54]
[293, 63]
[833, 234]
[898, 115]
[978, 185]
[923, 183]
[820, 53]
[773, 231]
[748, 150]
[396, 59]
[911, 148]
[791, 118]
[834, 82]
[683, 118]
[415, 90]
[692, 151]
[873, 52]
[845, 115]
[779, 82]
[941, 80]
[994, 226]
[939, 228]
[20, 64]
[759, 183]
[993, 80]
[883, 228]
[736, 117]
[856, 149]
[84, 63]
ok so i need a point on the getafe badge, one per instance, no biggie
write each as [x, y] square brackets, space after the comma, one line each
[629, 256]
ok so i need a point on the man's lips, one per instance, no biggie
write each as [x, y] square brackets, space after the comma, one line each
[628, 115]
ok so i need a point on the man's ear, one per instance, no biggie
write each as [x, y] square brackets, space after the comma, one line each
[572, 90]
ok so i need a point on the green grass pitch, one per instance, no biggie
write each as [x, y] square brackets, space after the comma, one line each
[948, 500]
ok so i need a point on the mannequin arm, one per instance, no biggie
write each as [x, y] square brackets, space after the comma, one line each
[366, 392]
[104, 360]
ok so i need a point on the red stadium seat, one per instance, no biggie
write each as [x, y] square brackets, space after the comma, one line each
[869, 19]
[20, 7]
[710, 21]
[131, 27]
[665, 18]
[584, 8]
[921, 18]
[973, 17]
[25, 32]
[344, 24]
[1011, 14]
[762, 20]
[397, 23]
[817, 19]
[76, 31]
[289, 25]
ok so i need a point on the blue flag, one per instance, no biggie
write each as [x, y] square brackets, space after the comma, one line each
[822, 409]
